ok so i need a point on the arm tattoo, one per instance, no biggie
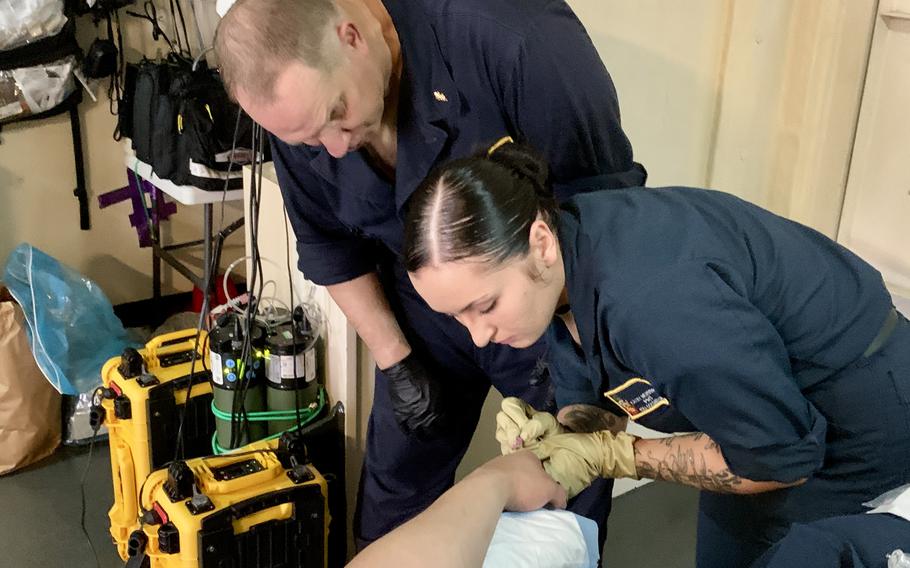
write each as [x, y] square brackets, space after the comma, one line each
[688, 459]
[585, 418]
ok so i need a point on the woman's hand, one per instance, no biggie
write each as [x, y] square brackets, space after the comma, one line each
[576, 460]
[519, 425]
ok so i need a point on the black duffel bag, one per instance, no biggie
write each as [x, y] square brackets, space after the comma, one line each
[213, 133]
[184, 125]
[152, 120]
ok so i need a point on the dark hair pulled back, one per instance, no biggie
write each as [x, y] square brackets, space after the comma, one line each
[482, 206]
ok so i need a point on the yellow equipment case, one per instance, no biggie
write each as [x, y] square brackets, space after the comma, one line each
[262, 506]
[142, 405]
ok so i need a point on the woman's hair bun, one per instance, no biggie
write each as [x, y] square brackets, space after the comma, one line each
[524, 162]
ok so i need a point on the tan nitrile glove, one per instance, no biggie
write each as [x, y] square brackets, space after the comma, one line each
[520, 426]
[576, 460]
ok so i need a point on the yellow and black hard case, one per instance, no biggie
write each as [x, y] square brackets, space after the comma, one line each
[143, 414]
[249, 509]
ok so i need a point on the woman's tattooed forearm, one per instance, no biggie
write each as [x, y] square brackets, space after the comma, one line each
[684, 459]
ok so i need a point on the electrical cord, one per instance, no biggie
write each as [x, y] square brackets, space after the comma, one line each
[240, 418]
[238, 407]
[115, 86]
[287, 258]
[151, 15]
[179, 446]
[231, 164]
[91, 449]
[205, 344]
[253, 304]
[202, 323]
[174, 14]
[96, 401]
[239, 394]
[203, 314]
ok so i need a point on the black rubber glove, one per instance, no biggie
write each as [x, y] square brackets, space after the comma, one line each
[416, 398]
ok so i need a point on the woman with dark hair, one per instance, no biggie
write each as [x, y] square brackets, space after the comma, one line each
[777, 351]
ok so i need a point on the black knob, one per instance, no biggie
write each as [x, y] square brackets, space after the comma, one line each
[96, 417]
[137, 543]
[180, 480]
[130, 363]
[168, 539]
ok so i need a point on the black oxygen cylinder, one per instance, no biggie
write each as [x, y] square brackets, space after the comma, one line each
[232, 378]
[292, 368]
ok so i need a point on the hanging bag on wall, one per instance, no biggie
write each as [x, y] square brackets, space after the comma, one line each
[37, 79]
[182, 123]
[179, 117]
[213, 133]
[38, 60]
[26, 21]
[153, 123]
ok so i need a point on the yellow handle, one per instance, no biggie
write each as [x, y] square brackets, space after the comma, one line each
[174, 342]
[124, 487]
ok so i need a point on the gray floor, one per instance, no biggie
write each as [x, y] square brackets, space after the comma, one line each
[39, 512]
[653, 526]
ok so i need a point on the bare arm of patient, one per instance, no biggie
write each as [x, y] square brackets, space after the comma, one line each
[455, 531]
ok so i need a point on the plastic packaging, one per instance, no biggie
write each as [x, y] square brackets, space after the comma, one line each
[26, 21]
[895, 502]
[31, 90]
[77, 429]
[71, 324]
[887, 498]
[898, 559]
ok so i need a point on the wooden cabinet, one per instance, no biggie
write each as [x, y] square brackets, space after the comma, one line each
[876, 215]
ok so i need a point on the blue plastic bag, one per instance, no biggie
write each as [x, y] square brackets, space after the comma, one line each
[72, 328]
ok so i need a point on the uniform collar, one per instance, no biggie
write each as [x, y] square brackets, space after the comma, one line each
[428, 108]
[574, 245]
[429, 101]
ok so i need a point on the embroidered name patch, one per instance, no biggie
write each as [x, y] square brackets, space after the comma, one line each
[637, 397]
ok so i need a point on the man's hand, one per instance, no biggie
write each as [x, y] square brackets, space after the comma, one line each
[522, 480]
[519, 425]
[416, 398]
[576, 460]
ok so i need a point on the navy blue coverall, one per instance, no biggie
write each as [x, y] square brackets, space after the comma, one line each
[699, 312]
[474, 71]
[849, 541]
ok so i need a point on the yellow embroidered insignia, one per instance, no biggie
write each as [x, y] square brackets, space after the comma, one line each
[637, 397]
